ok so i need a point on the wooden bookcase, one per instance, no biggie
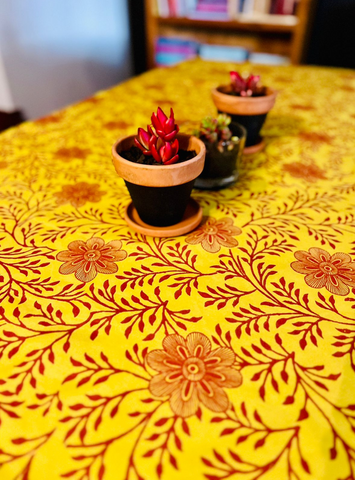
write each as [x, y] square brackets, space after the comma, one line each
[288, 39]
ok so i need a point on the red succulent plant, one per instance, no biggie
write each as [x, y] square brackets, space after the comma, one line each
[245, 87]
[145, 140]
[160, 140]
[165, 127]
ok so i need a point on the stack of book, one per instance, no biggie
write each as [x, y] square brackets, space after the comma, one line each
[209, 9]
[223, 53]
[170, 51]
[274, 7]
[175, 8]
[223, 9]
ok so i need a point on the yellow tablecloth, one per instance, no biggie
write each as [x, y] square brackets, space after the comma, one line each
[126, 365]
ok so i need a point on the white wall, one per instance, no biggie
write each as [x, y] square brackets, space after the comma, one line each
[6, 102]
[56, 52]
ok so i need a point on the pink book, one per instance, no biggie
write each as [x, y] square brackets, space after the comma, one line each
[172, 8]
[279, 7]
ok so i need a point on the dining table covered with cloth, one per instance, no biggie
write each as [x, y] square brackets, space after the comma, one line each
[224, 353]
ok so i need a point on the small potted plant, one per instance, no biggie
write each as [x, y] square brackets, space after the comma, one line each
[224, 143]
[248, 103]
[159, 167]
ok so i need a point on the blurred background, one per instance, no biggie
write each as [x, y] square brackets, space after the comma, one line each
[57, 52]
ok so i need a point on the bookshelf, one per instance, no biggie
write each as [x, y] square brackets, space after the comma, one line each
[277, 34]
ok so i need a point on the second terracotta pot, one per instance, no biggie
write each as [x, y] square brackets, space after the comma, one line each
[250, 112]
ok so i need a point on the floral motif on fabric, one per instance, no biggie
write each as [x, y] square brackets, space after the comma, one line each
[334, 272]
[315, 137]
[87, 259]
[79, 194]
[214, 234]
[190, 373]
[311, 173]
[73, 152]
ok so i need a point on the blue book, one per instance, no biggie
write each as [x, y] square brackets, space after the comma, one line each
[223, 53]
[268, 59]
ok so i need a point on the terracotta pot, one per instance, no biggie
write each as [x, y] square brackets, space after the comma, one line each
[221, 167]
[160, 193]
[248, 111]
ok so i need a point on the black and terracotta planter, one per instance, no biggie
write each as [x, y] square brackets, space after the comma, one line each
[250, 112]
[160, 193]
[221, 168]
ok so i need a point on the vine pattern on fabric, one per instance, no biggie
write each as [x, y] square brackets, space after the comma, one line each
[90, 311]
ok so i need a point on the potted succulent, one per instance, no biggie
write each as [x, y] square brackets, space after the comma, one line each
[248, 103]
[224, 141]
[159, 167]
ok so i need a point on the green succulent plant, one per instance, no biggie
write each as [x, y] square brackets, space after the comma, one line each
[216, 130]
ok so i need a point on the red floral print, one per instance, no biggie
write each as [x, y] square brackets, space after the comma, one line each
[79, 194]
[190, 373]
[213, 233]
[72, 152]
[334, 272]
[310, 173]
[87, 259]
[315, 137]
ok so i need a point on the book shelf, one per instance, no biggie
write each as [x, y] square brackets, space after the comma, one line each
[277, 34]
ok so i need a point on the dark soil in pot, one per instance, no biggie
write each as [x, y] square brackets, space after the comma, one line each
[135, 155]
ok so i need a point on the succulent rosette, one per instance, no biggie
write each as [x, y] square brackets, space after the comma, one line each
[245, 87]
[165, 127]
[159, 140]
[217, 130]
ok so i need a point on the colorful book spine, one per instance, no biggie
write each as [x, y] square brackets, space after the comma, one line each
[162, 8]
[173, 8]
[241, 6]
[223, 9]
[248, 7]
[277, 7]
[170, 51]
[289, 7]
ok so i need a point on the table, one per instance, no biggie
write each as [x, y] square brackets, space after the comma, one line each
[128, 363]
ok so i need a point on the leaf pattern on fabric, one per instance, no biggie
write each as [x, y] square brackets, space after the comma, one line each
[264, 287]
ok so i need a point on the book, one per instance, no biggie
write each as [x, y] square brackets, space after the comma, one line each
[268, 59]
[223, 53]
[163, 8]
[190, 6]
[203, 15]
[248, 7]
[180, 8]
[170, 50]
[233, 8]
[288, 7]
[210, 10]
[270, 19]
[278, 7]
[172, 4]
[262, 6]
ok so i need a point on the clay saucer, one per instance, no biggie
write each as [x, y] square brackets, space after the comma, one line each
[254, 148]
[191, 219]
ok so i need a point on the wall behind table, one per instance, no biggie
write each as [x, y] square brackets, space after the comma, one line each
[56, 52]
[332, 40]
